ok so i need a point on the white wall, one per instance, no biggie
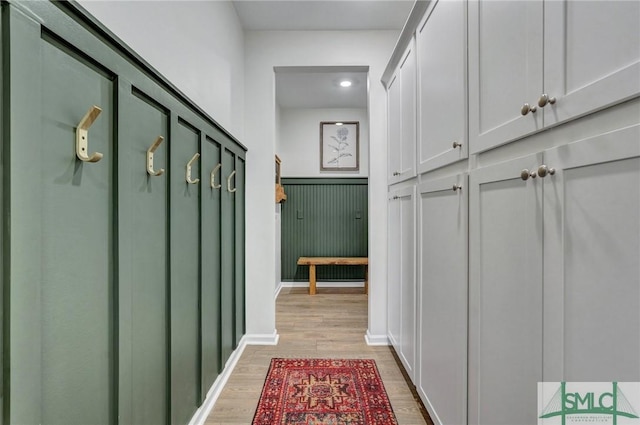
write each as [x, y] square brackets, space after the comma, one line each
[198, 46]
[263, 51]
[298, 143]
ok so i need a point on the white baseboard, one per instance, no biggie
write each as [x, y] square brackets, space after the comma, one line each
[376, 339]
[427, 404]
[262, 339]
[278, 289]
[354, 284]
[200, 416]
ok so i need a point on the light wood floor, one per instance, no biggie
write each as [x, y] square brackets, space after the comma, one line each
[330, 324]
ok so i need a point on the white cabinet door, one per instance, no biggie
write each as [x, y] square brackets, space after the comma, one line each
[592, 56]
[591, 259]
[442, 331]
[505, 70]
[409, 75]
[505, 294]
[402, 119]
[442, 79]
[394, 117]
[407, 279]
[393, 281]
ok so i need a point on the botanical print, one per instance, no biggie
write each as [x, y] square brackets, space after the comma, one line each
[339, 146]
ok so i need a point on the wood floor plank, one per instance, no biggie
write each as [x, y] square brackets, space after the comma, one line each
[330, 324]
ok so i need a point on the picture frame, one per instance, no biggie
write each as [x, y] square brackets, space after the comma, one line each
[339, 146]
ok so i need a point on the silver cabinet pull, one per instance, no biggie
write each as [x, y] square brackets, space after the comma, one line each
[544, 99]
[457, 187]
[526, 108]
[150, 152]
[82, 136]
[229, 182]
[213, 177]
[543, 170]
[525, 174]
[456, 144]
[188, 173]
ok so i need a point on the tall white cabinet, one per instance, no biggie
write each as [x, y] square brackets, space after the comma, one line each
[505, 309]
[441, 379]
[442, 86]
[591, 254]
[554, 275]
[402, 119]
[538, 63]
[523, 206]
[402, 276]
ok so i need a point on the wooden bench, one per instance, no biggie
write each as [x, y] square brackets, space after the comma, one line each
[312, 262]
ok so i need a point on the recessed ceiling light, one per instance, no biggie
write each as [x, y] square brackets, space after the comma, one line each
[345, 83]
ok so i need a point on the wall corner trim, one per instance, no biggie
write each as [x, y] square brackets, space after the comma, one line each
[376, 340]
[200, 416]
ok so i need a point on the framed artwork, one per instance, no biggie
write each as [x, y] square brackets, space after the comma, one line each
[339, 146]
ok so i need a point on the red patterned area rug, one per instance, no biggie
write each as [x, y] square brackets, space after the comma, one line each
[323, 392]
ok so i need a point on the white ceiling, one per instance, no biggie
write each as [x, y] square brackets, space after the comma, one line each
[319, 87]
[299, 87]
[318, 15]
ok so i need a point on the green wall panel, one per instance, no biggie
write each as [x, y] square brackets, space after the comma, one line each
[324, 217]
[77, 241]
[228, 259]
[239, 250]
[185, 274]
[211, 266]
[5, 136]
[143, 265]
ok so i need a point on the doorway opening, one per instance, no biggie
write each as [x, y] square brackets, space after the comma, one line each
[322, 141]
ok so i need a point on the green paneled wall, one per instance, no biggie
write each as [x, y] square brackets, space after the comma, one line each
[121, 290]
[143, 316]
[324, 217]
[185, 276]
[76, 241]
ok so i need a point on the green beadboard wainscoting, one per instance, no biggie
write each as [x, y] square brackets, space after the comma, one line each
[324, 217]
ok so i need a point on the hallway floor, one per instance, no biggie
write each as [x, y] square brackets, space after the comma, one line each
[330, 324]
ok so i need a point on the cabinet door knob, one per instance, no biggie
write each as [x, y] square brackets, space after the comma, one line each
[457, 145]
[396, 173]
[543, 170]
[526, 108]
[544, 99]
[456, 187]
[525, 174]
